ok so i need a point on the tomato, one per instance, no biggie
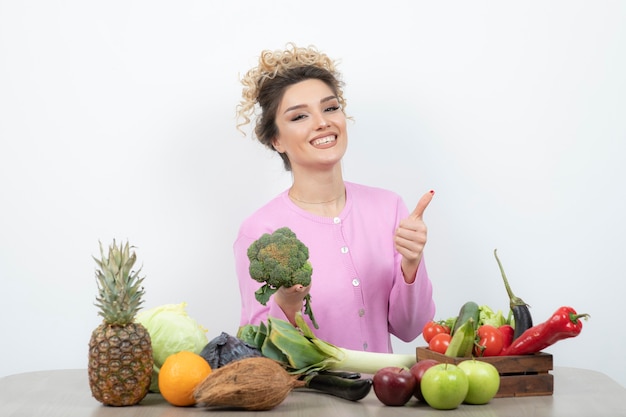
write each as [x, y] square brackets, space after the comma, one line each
[439, 343]
[507, 335]
[433, 328]
[490, 341]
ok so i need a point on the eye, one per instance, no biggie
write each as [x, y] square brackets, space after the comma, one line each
[332, 108]
[298, 117]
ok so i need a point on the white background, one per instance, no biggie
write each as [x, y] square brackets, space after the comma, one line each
[117, 121]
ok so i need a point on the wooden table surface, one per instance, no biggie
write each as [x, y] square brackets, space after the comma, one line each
[65, 393]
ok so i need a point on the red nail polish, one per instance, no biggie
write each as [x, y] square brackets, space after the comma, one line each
[432, 192]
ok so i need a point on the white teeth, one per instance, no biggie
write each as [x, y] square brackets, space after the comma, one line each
[323, 141]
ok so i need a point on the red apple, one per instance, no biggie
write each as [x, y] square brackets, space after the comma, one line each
[394, 385]
[418, 371]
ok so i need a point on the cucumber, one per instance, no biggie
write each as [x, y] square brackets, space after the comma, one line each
[462, 343]
[468, 310]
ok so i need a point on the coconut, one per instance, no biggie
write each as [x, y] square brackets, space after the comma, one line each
[256, 383]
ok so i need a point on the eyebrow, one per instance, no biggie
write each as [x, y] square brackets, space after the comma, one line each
[300, 106]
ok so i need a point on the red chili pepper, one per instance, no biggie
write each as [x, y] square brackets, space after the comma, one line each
[564, 323]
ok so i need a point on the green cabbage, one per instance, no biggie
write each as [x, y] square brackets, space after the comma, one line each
[171, 331]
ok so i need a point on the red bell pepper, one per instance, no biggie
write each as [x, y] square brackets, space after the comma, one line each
[507, 335]
[564, 323]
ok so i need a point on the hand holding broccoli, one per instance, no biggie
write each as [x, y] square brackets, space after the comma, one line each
[280, 260]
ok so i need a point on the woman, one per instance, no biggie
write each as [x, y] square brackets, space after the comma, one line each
[369, 278]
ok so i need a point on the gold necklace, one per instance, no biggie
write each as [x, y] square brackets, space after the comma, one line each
[317, 202]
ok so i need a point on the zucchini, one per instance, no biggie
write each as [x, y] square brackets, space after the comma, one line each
[468, 310]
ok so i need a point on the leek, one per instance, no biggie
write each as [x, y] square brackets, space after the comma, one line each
[301, 352]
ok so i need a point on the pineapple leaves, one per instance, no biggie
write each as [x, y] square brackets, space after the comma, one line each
[119, 287]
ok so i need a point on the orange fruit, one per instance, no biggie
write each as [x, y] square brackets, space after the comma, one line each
[180, 374]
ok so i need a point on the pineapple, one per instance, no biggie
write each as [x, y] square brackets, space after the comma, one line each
[120, 351]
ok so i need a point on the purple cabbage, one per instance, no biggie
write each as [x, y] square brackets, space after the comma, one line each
[226, 348]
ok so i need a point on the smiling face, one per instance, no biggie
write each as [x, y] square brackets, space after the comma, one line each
[311, 126]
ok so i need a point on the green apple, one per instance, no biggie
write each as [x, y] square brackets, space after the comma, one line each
[444, 386]
[484, 381]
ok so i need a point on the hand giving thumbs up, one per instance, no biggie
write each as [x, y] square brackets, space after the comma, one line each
[410, 238]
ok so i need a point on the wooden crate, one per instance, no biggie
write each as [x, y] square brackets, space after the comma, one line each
[520, 376]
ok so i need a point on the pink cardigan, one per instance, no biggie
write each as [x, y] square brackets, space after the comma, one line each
[358, 294]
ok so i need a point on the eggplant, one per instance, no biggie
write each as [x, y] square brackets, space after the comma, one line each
[349, 386]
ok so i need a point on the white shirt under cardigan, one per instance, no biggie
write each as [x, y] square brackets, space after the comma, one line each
[358, 295]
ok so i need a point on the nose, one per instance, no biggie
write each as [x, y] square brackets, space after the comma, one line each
[323, 123]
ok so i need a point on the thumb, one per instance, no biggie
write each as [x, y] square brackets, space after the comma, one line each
[423, 202]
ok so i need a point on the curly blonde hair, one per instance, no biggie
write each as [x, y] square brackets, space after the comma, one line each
[265, 85]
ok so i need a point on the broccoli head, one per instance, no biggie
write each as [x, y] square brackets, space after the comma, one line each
[279, 260]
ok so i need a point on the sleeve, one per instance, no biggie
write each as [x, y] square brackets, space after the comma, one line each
[411, 306]
[252, 311]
